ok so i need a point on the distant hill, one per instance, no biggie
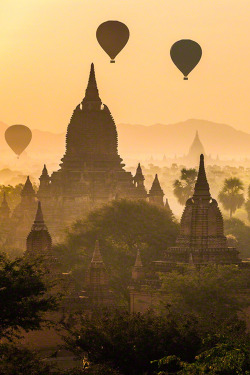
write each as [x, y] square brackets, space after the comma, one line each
[176, 139]
[158, 139]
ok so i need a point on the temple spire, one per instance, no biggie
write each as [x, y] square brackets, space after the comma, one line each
[4, 209]
[97, 257]
[138, 269]
[45, 171]
[201, 189]
[92, 93]
[139, 175]
[28, 189]
[156, 187]
[39, 214]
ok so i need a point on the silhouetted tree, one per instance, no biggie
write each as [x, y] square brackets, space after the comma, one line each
[222, 359]
[241, 232]
[24, 297]
[231, 196]
[130, 341]
[17, 360]
[210, 293]
[184, 187]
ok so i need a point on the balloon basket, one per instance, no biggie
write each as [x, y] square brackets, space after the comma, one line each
[112, 61]
[185, 78]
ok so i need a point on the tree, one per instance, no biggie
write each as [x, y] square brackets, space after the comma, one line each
[222, 359]
[15, 360]
[184, 187]
[24, 297]
[121, 226]
[129, 342]
[231, 196]
[214, 294]
[241, 232]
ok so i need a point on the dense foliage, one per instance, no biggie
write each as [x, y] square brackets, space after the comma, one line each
[24, 297]
[196, 328]
[241, 232]
[184, 187]
[214, 294]
[122, 227]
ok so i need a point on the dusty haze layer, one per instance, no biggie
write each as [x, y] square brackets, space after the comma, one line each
[47, 46]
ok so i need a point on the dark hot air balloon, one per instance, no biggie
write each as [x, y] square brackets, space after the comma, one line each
[18, 138]
[112, 37]
[185, 54]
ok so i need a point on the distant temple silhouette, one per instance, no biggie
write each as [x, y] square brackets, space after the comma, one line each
[195, 150]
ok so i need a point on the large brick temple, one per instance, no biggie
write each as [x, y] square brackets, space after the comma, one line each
[91, 173]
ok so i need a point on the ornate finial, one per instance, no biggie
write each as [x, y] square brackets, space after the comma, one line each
[92, 93]
[201, 189]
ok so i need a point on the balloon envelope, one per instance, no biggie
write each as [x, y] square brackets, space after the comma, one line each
[18, 137]
[112, 37]
[186, 54]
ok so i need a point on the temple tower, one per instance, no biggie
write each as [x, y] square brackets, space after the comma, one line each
[91, 172]
[156, 193]
[97, 282]
[44, 187]
[23, 216]
[138, 270]
[139, 182]
[4, 209]
[195, 150]
[39, 240]
[202, 231]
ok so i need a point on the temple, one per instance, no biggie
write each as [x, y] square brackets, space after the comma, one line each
[196, 149]
[39, 241]
[201, 236]
[91, 172]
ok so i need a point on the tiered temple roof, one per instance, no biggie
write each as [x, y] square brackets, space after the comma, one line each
[202, 231]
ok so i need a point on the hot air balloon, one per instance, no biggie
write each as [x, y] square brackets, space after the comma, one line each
[18, 138]
[112, 37]
[185, 54]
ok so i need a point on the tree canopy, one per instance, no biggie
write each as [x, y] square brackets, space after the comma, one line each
[184, 187]
[241, 232]
[231, 195]
[122, 227]
[24, 297]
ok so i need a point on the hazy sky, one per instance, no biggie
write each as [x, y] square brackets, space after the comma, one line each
[47, 47]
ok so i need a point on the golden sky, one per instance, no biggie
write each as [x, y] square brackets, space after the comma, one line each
[47, 47]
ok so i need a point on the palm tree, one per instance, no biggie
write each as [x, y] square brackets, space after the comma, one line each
[231, 195]
[184, 187]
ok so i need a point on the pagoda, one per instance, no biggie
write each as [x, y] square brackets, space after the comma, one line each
[201, 238]
[196, 149]
[39, 241]
[91, 172]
